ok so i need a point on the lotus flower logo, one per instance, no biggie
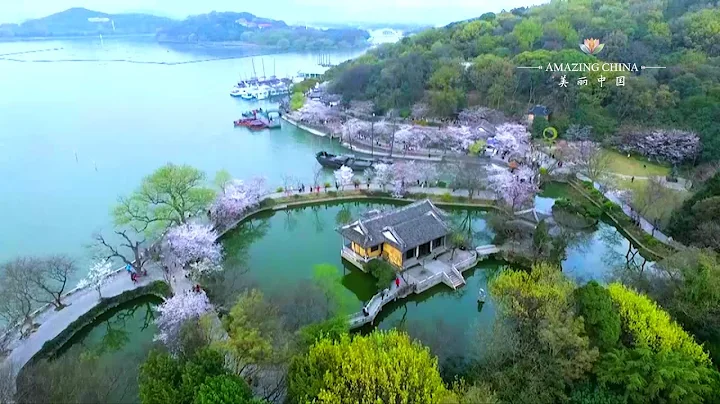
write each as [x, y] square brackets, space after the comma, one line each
[592, 46]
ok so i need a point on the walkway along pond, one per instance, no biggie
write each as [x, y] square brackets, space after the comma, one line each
[252, 253]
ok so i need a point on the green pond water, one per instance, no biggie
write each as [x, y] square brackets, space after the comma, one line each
[277, 250]
[120, 339]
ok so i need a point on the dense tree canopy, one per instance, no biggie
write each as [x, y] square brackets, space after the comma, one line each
[169, 196]
[697, 222]
[381, 367]
[474, 62]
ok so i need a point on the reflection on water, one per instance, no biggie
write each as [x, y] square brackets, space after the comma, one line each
[276, 250]
[119, 338]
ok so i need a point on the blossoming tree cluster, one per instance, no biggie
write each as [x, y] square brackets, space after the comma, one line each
[316, 113]
[511, 139]
[515, 188]
[344, 176]
[175, 311]
[401, 175]
[97, 276]
[237, 198]
[190, 243]
[674, 146]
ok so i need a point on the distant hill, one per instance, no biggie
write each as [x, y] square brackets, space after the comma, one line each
[243, 28]
[251, 29]
[74, 22]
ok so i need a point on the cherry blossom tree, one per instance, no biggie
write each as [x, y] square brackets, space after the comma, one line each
[344, 176]
[383, 174]
[190, 243]
[355, 128]
[511, 138]
[674, 146]
[405, 174]
[97, 276]
[204, 267]
[515, 189]
[317, 113]
[236, 199]
[588, 157]
[175, 311]
[426, 172]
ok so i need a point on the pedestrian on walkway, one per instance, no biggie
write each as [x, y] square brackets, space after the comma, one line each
[632, 179]
[397, 282]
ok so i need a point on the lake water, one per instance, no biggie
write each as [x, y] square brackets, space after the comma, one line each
[123, 120]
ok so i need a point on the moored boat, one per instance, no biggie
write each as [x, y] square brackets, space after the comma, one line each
[357, 164]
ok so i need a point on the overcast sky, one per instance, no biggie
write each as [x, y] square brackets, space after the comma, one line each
[294, 11]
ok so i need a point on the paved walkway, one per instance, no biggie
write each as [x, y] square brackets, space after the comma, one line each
[52, 322]
[480, 194]
[644, 223]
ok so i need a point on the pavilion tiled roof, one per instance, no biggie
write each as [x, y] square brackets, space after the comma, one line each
[404, 228]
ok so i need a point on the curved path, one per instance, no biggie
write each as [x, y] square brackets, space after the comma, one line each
[52, 322]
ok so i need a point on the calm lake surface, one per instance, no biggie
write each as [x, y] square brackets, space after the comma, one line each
[124, 120]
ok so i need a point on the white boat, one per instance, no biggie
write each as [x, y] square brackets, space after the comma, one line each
[238, 92]
[247, 96]
[262, 92]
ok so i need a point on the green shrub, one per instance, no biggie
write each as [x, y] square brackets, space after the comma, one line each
[610, 206]
[332, 193]
[446, 197]
[377, 193]
[327, 185]
[267, 203]
[279, 189]
[442, 184]
[296, 196]
[577, 208]
[382, 271]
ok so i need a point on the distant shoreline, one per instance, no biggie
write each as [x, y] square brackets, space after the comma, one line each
[70, 37]
[207, 44]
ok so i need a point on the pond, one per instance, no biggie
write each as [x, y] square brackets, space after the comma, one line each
[117, 343]
[277, 250]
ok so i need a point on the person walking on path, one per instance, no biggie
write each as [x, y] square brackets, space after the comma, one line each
[397, 282]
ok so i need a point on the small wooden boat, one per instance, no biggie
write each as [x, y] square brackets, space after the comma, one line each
[357, 164]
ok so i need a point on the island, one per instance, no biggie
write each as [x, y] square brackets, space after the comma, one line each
[215, 28]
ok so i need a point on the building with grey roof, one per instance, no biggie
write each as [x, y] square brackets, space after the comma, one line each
[402, 236]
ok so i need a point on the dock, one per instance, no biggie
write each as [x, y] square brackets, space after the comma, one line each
[446, 268]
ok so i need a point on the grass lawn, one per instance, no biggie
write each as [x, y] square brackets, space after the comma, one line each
[635, 165]
[663, 208]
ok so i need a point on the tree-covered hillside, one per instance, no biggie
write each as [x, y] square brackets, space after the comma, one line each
[74, 22]
[246, 27]
[475, 62]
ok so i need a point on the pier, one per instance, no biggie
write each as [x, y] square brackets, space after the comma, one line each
[447, 267]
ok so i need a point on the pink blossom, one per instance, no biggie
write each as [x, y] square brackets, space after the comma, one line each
[236, 200]
[175, 311]
[511, 138]
[190, 243]
[383, 174]
[516, 188]
[344, 176]
[315, 112]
